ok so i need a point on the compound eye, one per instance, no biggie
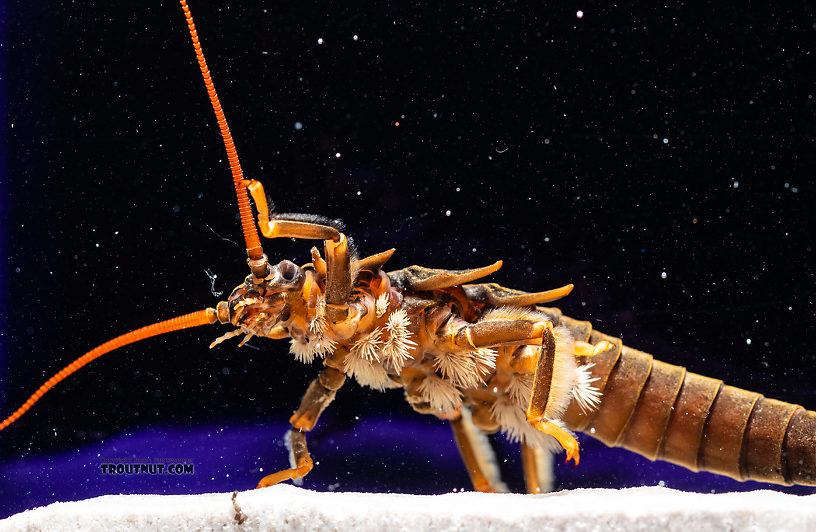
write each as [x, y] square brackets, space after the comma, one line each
[288, 270]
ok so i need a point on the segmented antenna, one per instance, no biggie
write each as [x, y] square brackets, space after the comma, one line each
[257, 259]
[194, 319]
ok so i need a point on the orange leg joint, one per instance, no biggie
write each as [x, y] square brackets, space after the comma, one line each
[567, 441]
[299, 457]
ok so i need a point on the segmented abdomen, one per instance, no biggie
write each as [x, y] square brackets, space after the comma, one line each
[664, 412]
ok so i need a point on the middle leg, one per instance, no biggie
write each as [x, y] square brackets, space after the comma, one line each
[479, 459]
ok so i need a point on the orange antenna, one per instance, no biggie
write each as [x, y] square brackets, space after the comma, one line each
[194, 319]
[257, 260]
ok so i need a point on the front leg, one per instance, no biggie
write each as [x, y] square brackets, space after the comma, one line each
[320, 393]
[338, 261]
[299, 459]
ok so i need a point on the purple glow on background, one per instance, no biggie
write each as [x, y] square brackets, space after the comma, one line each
[526, 137]
[373, 455]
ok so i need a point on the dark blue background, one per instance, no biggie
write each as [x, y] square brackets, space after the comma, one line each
[541, 133]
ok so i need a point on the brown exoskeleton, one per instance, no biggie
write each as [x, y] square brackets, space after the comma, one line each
[449, 343]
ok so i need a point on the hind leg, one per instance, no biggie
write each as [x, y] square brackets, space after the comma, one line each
[542, 388]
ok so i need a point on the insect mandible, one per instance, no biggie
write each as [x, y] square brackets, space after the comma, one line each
[469, 260]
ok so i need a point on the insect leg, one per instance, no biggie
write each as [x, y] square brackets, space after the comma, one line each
[299, 458]
[339, 281]
[542, 384]
[285, 228]
[479, 459]
[496, 332]
[320, 393]
[584, 349]
[499, 332]
[537, 465]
